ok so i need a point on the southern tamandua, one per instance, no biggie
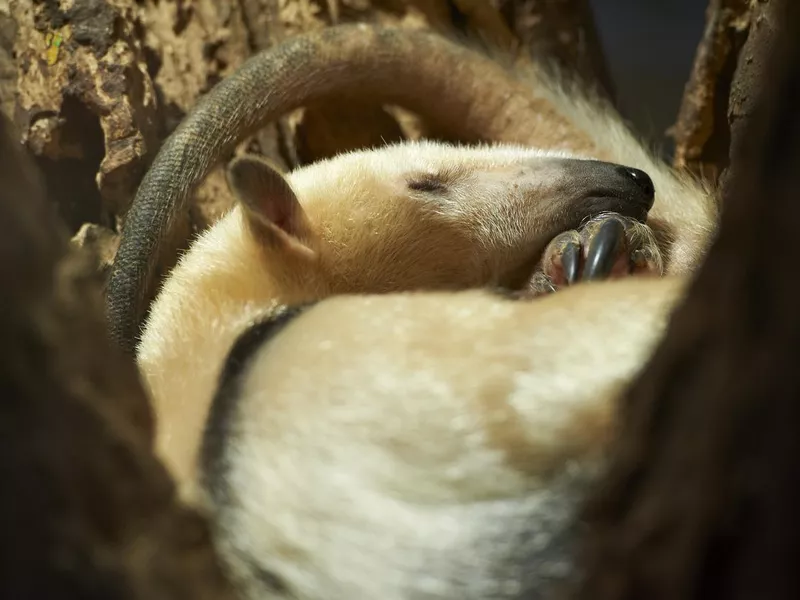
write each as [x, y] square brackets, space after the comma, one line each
[411, 216]
[419, 216]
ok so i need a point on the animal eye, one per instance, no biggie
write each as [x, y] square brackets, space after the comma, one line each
[427, 182]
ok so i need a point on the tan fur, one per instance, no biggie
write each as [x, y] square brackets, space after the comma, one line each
[364, 231]
[427, 445]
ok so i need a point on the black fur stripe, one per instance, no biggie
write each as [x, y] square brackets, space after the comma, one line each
[224, 405]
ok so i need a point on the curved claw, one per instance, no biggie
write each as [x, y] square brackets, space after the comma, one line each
[571, 261]
[603, 250]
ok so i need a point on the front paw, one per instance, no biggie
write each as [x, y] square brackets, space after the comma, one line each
[607, 247]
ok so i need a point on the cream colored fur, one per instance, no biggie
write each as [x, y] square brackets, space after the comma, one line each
[366, 232]
[434, 445]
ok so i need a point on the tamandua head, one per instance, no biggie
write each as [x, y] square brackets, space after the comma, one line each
[427, 215]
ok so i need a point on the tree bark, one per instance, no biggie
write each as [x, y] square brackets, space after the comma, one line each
[8, 67]
[702, 133]
[86, 510]
[701, 499]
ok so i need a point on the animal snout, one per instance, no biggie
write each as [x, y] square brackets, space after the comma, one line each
[609, 187]
[642, 180]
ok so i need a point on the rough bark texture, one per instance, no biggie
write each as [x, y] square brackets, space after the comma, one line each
[702, 133]
[701, 501]
[8, 68]
[86, 511]
[746, 83]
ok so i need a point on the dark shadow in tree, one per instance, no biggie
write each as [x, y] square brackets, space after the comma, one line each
[86, 510]
[701, 500]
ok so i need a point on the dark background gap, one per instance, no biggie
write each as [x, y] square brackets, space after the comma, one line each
[650, 46]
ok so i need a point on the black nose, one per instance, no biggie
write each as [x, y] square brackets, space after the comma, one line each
[643, 180]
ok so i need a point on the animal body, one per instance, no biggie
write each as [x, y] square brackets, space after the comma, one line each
[415, 216]
[422, 215]
[430, 444]
[422, 445]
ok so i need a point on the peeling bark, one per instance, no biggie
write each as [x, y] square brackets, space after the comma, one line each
[754, 59]
[701, 133]
[86, 106]
[8, 67]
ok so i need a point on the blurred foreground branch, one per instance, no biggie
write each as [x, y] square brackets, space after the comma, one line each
[86, 510]
[701, 500]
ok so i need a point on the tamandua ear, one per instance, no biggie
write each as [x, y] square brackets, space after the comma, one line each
[269, 203]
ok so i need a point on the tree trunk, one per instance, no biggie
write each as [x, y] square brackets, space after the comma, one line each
[86, 511]
[702, 133]
[701, 500]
